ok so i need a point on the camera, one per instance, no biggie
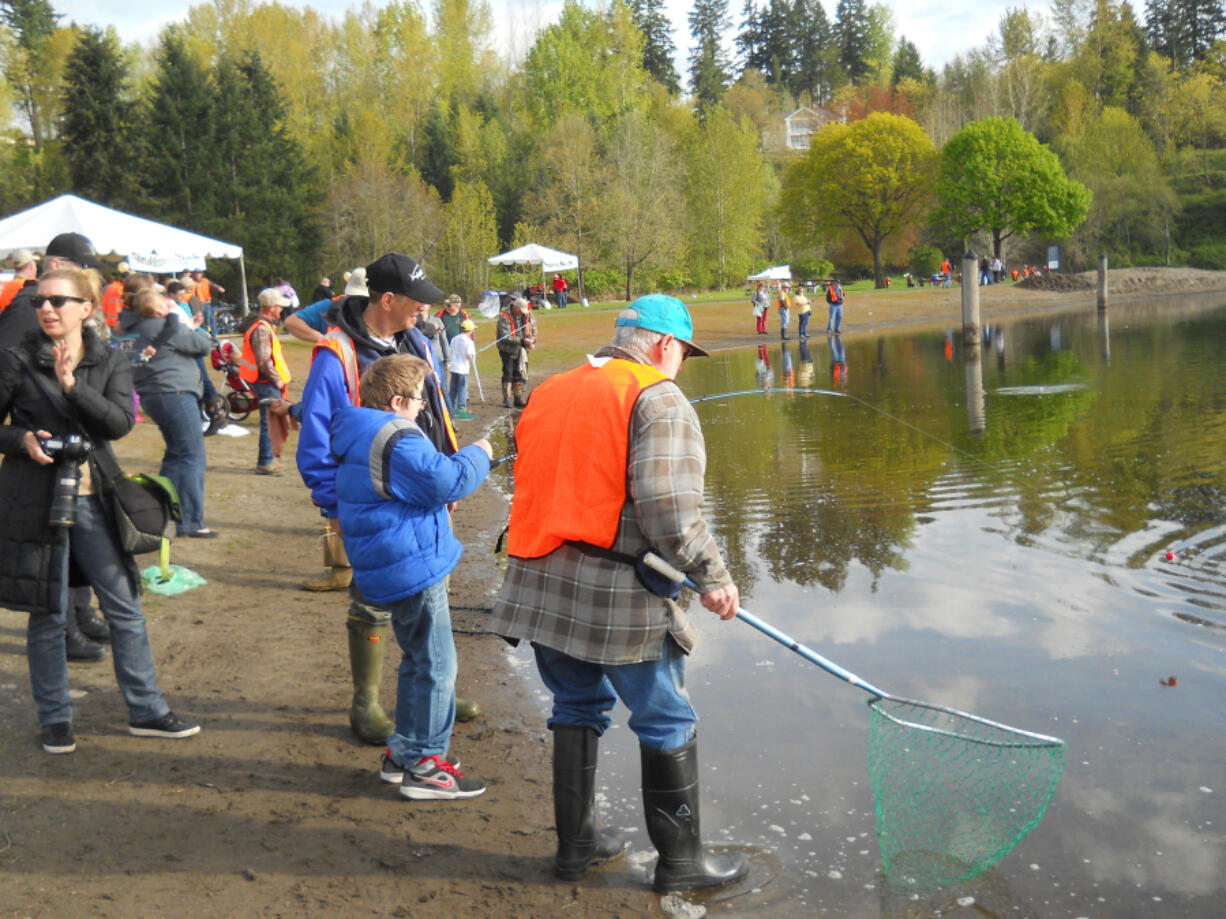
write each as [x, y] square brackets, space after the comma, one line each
[68, 452]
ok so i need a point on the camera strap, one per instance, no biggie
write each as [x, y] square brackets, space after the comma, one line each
[106, 463]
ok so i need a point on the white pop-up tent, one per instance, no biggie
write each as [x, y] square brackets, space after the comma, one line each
[532, 254]
[774, 273]
[146, 244]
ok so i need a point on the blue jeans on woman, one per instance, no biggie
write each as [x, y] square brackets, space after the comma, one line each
[95, 554]
[584, 693]
[262, 392]
[425, 690]
[177, 415]
[802, 324]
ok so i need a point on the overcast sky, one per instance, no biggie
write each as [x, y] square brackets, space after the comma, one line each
[940, 28]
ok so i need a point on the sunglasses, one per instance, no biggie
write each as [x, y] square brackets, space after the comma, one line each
[57, 302]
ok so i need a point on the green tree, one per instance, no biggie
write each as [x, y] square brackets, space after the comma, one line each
[710, 70]
[852, 37]
[179, 170]
[907, 64]
[31, 65]
[588, 61]
[870, 178]
[1198, 111]
[1184, 30]
[97, 127]
[658, 48]
[640, 197]
[726, 191]
[1133, 201]
[565, 204]
[816, 72]
[469, 238]
[373, 208]
[996, 177]
[265, 197]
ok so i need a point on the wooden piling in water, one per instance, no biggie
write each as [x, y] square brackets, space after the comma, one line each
[970, 299]
[1102, 282]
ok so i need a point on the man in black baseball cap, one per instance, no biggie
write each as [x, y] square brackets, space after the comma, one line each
[398, 274]
[68, 250]
[382, 322]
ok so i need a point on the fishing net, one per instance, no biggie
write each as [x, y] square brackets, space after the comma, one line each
[954, 793]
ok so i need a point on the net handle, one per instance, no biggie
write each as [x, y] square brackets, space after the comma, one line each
[655, 562]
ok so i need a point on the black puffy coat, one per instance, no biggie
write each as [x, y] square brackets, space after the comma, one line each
[101, 404]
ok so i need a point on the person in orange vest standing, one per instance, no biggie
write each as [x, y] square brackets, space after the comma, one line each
[560, 287]
[25, 271]
[205, 292]
[263, 366]
[112, 295]
[610, 466]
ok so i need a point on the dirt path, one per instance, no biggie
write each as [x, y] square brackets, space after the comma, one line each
[274, 809]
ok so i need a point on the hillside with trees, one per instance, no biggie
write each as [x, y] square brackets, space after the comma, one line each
[402, 127]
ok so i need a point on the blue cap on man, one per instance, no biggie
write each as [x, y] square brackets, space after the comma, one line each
[664, 314]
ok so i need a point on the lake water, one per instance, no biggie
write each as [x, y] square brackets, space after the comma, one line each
[990, 535]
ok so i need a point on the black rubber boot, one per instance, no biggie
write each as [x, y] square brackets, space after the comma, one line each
[506, 395]
[79, 648]
[92, 627]
[580, 843]
[670, 802]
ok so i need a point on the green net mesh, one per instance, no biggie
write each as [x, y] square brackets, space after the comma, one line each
[954, 793]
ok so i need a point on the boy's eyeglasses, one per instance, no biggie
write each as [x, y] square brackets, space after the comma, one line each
[57, 302]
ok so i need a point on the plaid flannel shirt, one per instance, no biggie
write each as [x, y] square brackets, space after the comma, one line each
[594, 608]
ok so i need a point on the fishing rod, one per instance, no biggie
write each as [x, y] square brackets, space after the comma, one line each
[494, 464]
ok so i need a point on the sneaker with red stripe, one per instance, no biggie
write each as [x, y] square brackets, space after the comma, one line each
[435, 779]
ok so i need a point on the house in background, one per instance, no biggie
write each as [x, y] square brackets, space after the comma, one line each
[802, 124]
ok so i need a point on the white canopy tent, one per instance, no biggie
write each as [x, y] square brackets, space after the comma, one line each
[146, 244]
[775, 273]
[532, 254]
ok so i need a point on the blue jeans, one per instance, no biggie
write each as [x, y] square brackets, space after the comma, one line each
[561, 299]
[209, 389]
[836, 317]
[96, 555]
[425, 691]
[802, 324]
[210, 317]
[265, 391]
[177, 415]
[459, 391]
[584, 693]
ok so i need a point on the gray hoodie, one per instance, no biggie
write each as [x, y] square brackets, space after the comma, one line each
[173, 368]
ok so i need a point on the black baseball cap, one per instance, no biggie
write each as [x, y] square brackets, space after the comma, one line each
[398, 274]
[75, 248]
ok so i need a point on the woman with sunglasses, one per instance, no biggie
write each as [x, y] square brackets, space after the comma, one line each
[62, 382]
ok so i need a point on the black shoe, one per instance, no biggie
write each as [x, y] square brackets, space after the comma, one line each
[80, 649]
[169, 725]
[57, 738]
[94, 628]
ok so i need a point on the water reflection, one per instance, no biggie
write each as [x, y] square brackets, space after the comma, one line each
[991, 535]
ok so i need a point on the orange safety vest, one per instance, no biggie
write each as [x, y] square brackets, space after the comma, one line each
[341, 345]
[11, 289]
[249, 369]
[112, 302]
[574, 440]
[204, 293]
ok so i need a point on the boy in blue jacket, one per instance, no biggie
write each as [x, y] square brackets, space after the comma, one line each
[394, 489]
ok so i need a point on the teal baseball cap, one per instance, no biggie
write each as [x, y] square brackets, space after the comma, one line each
[664, 314]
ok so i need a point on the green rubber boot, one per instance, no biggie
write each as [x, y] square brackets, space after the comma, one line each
[366, 716]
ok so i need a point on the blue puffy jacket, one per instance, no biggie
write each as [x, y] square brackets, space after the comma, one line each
[392, 488]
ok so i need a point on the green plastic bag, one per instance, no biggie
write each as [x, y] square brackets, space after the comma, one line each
[176, 580]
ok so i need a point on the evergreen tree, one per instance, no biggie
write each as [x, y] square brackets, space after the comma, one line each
[1184, 30]
[851, 37]
[265, 197]
[97, 124]
[178, 170]
[658, 48]
[710, 71]
[814, 72]
[907, 64]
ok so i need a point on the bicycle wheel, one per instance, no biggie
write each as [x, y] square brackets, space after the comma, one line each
[240, 404]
